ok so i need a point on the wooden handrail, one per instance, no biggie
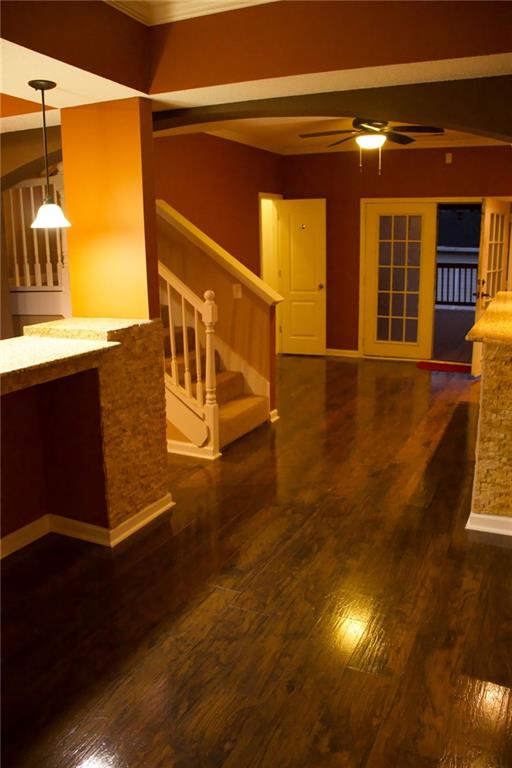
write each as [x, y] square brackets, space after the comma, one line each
[218, 254]
[180, 287]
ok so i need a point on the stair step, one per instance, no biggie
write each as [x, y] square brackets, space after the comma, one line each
[180, 364]
[178, 336]
[241, 415]
[230, 384]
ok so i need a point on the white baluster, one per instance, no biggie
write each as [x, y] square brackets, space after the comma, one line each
[26, 265]
[186, 356]
[209, 319]
[37, 265]
[211, 409]
[174, 370]
[60, 263]
[199, 380]
[49, 265]
[17, 281]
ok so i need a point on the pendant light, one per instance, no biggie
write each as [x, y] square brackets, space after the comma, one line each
[49, 215]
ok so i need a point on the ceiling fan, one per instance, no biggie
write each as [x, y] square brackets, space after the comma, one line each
[376, 132]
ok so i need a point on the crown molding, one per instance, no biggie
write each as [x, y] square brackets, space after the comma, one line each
[166, 11]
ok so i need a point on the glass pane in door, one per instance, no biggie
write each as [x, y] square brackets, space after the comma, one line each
[399, 250]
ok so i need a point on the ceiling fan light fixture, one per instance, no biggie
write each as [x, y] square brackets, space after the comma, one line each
[371, 140]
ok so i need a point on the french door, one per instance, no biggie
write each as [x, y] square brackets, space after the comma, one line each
[492, 262]
[399, 279]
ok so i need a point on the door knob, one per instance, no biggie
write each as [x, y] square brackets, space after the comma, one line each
[320, 286]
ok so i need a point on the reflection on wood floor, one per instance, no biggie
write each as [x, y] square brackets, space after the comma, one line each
[314, 601]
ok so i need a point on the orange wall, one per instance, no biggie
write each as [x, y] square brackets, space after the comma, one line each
[108, 177]
[412, 173]
[86, 33]
[215, 183]
[291, 37]
[11, 105]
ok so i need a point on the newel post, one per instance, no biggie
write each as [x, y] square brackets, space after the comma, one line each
[211, 407]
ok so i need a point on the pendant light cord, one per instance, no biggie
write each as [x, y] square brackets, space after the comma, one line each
[45, 141]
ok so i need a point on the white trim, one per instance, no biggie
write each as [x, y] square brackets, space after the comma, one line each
[166, 11]
[189, 449]
[140, 519]
[24, 536]
[342, 353]
[217, 253]
[497, 524]
[76, 529]
[274, 415]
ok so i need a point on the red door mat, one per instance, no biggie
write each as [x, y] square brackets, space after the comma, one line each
[433, 365]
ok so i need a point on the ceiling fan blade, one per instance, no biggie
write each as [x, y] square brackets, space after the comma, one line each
[322, 133]
[397, 138]
[335, 144]
[417, 129]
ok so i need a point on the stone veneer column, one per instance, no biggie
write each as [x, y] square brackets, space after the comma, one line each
[132, 406]
[491, 507]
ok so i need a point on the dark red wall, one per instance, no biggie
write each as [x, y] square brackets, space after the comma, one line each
[215, 183]
[412, 173]
[52, 456]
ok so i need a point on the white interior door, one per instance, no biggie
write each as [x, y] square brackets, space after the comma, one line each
[302, 255]
[492, 262]
[399, 279]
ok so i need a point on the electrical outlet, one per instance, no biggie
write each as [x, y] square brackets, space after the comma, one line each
[448, 158]
[237, 291]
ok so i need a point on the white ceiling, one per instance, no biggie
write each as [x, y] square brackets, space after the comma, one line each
[152, 12]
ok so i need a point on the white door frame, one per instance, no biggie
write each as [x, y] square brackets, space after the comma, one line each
[364, 202]
[273, 283]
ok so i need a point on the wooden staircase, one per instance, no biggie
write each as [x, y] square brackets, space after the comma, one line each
[239, 411]
[219, 358]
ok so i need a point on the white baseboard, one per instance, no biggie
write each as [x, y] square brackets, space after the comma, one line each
[24, 536]
[189, 449]
[76, 529]
[342, 353]
[274, 415]
[497, 524]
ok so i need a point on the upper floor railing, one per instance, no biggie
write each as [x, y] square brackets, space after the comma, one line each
[456, 284]
[37, 257]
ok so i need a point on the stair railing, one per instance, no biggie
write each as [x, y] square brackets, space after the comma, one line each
[185, 310]
[37, 258]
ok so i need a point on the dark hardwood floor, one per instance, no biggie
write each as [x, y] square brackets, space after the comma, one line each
[450, 329]
[314, 601]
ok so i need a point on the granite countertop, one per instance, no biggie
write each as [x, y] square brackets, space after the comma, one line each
[83, 327]
[29, 360]
[495, 325]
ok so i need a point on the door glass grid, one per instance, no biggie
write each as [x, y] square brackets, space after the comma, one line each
[399, 258]
[495, 255]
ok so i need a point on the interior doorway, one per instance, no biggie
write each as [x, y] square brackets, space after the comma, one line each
[293, 262]
[457, 254]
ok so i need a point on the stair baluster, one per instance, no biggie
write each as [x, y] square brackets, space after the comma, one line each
[26, 265]
[174, 369]
[211, 408]
[37, 265]
[186, 355]
[17, 281]
[199, 378]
